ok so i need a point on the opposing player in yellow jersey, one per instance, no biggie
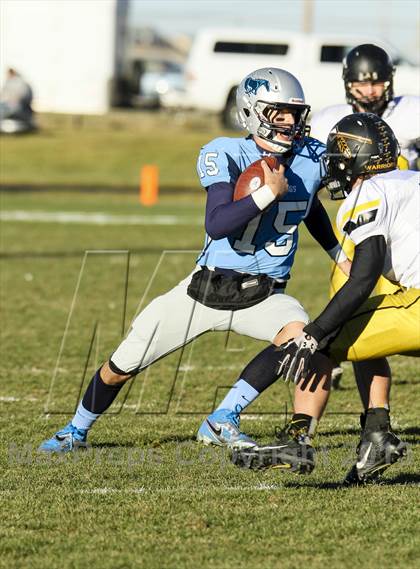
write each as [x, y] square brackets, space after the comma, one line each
[380, 215]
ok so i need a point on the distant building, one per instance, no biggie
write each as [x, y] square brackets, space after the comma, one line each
[72, 53]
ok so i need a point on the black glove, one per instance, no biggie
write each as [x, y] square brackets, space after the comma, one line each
[295, 357]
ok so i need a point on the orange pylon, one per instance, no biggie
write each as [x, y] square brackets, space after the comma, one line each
[149, 184]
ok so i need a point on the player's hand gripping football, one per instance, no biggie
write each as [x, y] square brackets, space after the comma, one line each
[276, 180]
[295, 357]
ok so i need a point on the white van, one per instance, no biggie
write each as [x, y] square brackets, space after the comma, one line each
[220, 58]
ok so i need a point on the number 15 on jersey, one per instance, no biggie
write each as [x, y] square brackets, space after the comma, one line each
[245, 243]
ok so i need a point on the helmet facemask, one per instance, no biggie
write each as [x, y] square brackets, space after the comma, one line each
[269, 129]
[369, 105]
[338, 177]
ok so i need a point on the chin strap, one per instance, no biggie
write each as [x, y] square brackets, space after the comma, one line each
[377, 107]
[279, 147]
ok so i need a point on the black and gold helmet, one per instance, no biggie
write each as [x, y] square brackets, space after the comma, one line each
[359, 145]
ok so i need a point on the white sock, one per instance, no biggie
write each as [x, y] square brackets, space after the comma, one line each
[83, 418]
[241, 394]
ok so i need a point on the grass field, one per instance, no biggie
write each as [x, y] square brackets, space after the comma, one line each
[146, 495]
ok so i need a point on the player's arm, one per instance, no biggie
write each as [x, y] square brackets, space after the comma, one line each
[218, 172]
[367, 266]
[319, 226]
[368, 262]
[225, 216]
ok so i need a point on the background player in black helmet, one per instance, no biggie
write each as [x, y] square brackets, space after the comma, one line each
[368, 74]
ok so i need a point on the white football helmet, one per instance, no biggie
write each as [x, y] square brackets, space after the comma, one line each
[263, 91]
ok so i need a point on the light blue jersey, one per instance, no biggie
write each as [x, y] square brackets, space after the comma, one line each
[268, 243]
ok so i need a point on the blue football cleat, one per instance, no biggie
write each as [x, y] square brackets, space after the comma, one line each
[67, 440]
[221, 428]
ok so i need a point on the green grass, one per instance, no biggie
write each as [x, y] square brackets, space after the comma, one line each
[106, 151]
[147, 495]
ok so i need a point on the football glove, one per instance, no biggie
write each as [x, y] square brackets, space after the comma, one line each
[295, 357]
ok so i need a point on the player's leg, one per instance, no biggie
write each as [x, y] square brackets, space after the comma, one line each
[374, 389]
[383, 286]
[379, 446]
[167, 323]
[222, 427]
[292, 448]
[263, 322]
[383, 326]
[275, 320]
[310, 397]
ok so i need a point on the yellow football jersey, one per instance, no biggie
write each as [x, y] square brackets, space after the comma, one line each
[389, 323]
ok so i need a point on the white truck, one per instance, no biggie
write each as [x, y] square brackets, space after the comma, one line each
[220, 58]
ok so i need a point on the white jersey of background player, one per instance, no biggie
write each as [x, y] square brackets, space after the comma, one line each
[368, 79]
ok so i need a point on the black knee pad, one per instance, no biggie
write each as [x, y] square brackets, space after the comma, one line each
[119, 371]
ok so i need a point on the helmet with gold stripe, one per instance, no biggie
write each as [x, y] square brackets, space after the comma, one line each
[359, 145]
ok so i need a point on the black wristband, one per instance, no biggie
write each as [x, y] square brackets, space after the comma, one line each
[315, 331]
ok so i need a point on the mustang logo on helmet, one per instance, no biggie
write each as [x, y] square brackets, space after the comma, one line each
[252, 85]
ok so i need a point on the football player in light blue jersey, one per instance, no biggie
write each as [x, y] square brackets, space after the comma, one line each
[271, 107]
[268, 243]
[241, 274]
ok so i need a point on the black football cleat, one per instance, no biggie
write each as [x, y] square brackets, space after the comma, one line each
[292, 451]
[379, 447]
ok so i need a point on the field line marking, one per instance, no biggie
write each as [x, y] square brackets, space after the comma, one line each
[96, 218]
[177, 489]
[63, 340]
[165, 490]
